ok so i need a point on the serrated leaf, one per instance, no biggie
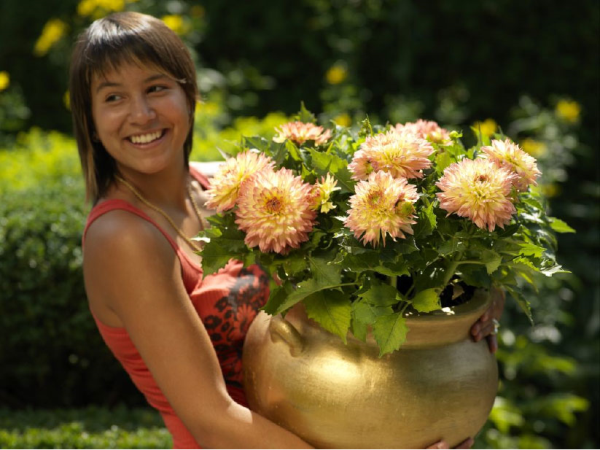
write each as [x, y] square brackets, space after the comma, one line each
[277, 297]
[257, 142]
[554, 269]
[214, 257]
[427, 300]
[324, 273]
[359, 329]
[492, 261]
[304, 115]
[293, 151]
[330, 309]
[368, 313]
[426, 223]
[380, 294]
[530, 249]
[442, 160]
[390, 332]
[559, 226]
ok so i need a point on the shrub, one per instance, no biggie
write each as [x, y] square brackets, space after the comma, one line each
[86, 428]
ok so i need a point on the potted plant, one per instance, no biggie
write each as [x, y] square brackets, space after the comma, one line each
[377, 239]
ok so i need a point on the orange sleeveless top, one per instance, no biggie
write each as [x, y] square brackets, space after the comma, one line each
[226, 302]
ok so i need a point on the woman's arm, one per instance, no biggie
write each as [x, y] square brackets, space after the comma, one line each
[132, 270]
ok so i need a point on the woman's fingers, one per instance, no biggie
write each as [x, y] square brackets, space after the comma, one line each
[439, 444]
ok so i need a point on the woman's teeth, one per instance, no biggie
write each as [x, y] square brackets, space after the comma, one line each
[145, 138]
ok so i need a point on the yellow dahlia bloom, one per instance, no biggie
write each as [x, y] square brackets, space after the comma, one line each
[226, 183]
[401, 154]
[324, 189]
[479, 190]
[426, 129]
[300, 132]
[509, 155]
[275, 209]
[382, 205]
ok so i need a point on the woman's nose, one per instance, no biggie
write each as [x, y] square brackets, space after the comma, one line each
[141, 111]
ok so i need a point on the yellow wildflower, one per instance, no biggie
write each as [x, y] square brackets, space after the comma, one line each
[533, 147]
[98, 8]
[568, 111]
[4, 80]
[53, 31]
[336, 74]
[343, 120]
[176, 23]
[487, 128]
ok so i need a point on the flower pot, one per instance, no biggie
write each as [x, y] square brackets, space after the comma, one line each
[439, 385]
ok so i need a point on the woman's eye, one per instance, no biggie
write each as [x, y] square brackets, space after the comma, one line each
[112, 98]
[157, 88]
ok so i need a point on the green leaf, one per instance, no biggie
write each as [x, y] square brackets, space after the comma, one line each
[427, 300]
[359, 329]
[277, 297]
[214, 257]
[559, 226]
[390, 332]
[257, 142]
[492, 261]
[522, 301]
[426, 223]
[293, 151]
[304, 115]
[442, 160]
[323, 272]
[368, 313]
[554, 269]
[294, 264]
[380, 295]
[332, 310]
[529, 249]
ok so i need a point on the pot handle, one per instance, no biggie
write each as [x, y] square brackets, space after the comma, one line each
[282, 330]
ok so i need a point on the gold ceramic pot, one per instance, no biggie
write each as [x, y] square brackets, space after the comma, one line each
[439, 385]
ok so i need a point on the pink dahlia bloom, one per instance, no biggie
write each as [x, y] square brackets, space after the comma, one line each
[478, 189]
[300, 132]
[426, 129]
[276, 210]
[382, 205]
[510, 156]
[226, 183]
[402, 155]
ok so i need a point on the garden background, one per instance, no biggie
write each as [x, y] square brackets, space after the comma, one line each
[527, 69]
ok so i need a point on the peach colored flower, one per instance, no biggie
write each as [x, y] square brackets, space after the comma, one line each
[509, 155]
[382, 205]
[426, 129]
[324, 189]
[275, 209]
[479, 190]
[226, 183]
[300, 132]
[403, 155]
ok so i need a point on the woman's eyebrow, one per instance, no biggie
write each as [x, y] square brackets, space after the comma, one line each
[106, 84]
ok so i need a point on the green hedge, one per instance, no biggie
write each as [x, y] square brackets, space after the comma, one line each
[83, 428]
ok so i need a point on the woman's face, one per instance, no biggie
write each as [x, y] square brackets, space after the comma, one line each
[141, 117]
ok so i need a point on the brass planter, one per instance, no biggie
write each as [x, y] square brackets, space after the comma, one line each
[440, 384]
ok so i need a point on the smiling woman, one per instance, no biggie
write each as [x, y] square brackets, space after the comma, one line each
[178, 334]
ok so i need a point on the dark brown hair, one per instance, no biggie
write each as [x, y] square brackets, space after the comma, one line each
[107, 44]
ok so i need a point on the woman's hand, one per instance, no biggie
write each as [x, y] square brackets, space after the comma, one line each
[467, 443]
[487, 325]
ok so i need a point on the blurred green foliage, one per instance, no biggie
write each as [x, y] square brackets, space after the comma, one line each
[91, 427]
[530, 65]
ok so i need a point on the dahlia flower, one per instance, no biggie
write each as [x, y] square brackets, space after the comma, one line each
[477, 189]
[512, 157]
[403, 155]
[324, 189]
[226, 183]
[425, 129]
[382, 205]
[300, 132]
[275, 209]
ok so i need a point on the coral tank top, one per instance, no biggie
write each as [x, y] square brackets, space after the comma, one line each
[226, 302]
